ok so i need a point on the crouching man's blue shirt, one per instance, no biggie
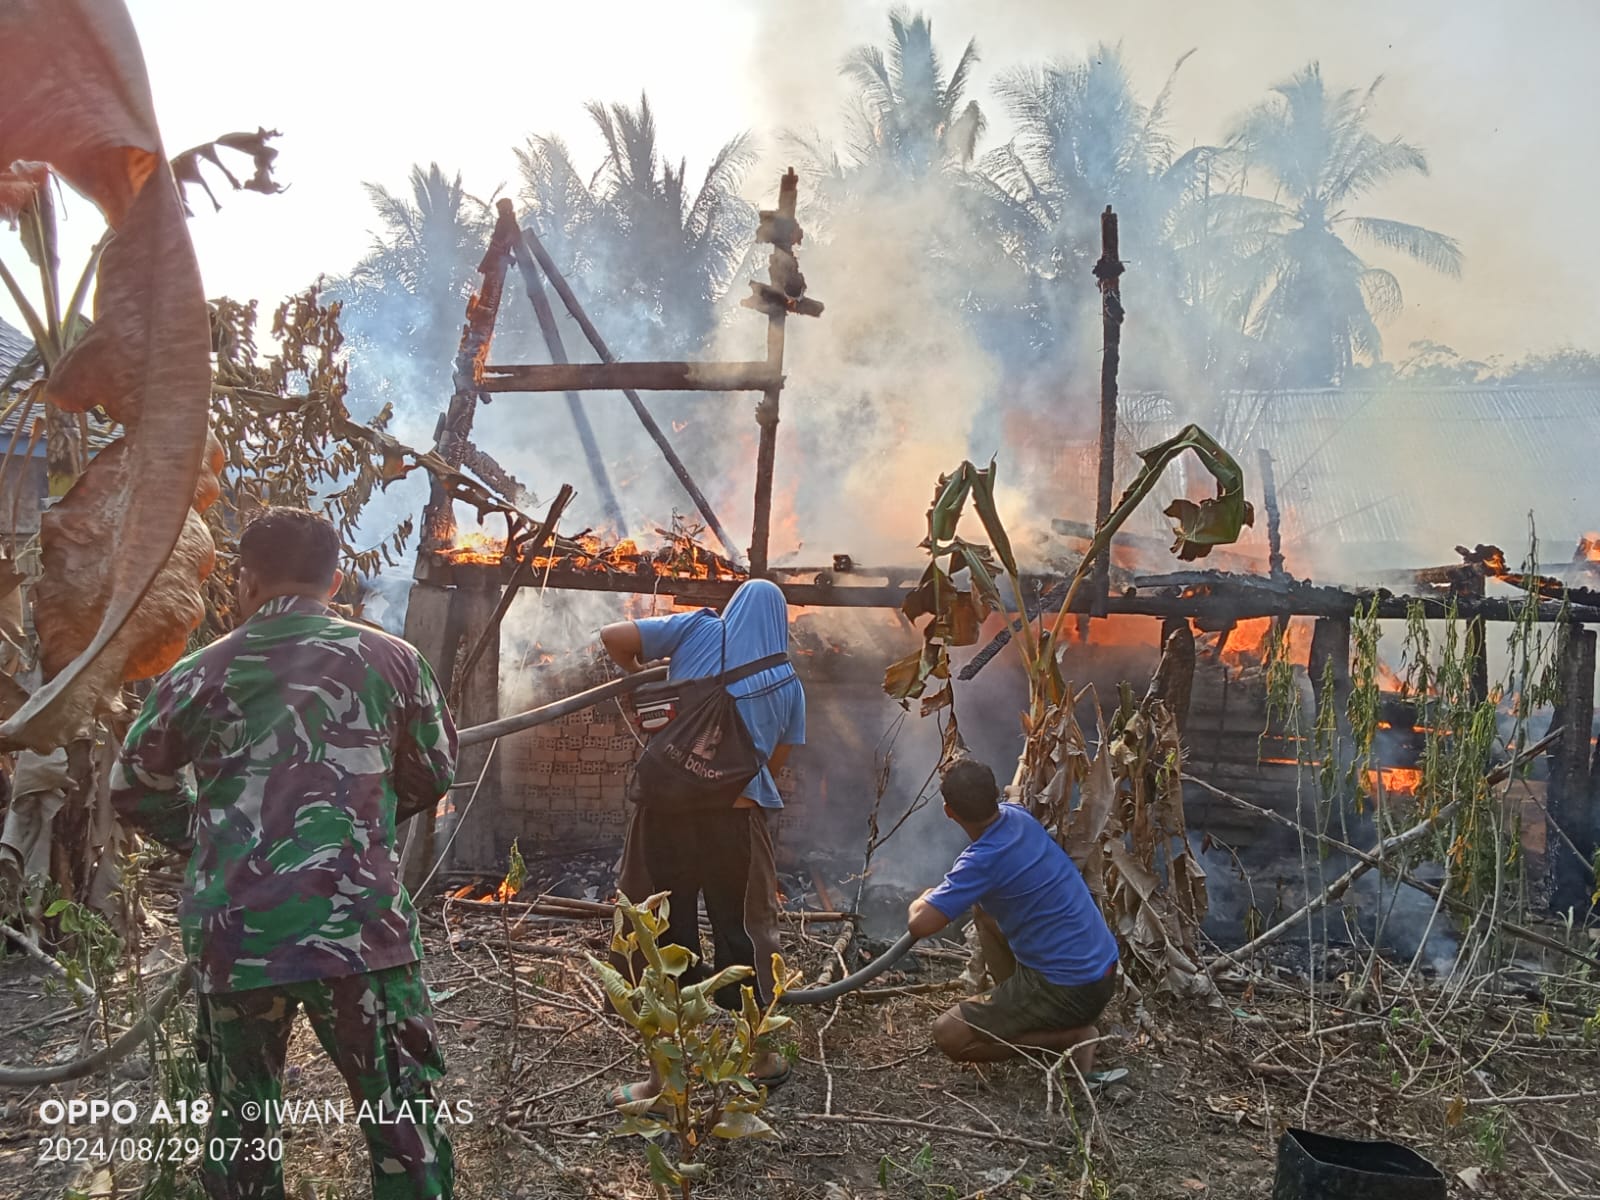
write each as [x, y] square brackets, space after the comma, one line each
[1032, 889]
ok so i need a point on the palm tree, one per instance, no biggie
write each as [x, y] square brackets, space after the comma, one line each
[650, 251]
[909, 116]
[1311, 298]
[403, 302]
[1085, 140]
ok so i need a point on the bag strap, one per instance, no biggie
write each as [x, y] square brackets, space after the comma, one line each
[753, 668]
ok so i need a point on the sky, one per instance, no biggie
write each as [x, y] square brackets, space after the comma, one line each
[1500, 93]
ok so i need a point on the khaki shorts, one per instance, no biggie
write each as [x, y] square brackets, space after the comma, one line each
[1027, 1002]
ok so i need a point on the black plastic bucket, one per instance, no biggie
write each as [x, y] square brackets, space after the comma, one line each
[1314, 1166]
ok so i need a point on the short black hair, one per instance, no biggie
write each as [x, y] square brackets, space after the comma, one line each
[968, 787]
[291, 545]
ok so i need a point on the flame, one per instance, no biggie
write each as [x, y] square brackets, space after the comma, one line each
[1395, 781]
[499, 895]
[1588, 548]
[681, 557]
[1250, 642]
[477, 547]
[1118, 629]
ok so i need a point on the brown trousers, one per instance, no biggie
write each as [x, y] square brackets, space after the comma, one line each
[683, 856]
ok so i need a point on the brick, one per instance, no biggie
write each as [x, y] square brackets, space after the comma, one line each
[623, 755]
[564, 779]
[568, 756]
[539, 778]
[621, 742]
[593, 754]
[601, 729]
[563, 804]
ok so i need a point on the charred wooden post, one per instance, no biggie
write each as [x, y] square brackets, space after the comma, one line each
[427, 628]
[576, 311]
[786, 294]
[783, 233]
[1477, 644]
[440, 623]
[1269, 500]
[1108, 271]
[1569, 801]
[1330, 651]
[558, 354]
[455, 424]
[1173, 682]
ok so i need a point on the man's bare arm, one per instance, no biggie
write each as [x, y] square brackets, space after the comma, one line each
[622, 642]
[923, 919]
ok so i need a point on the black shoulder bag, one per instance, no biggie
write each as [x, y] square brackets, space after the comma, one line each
[700, 754]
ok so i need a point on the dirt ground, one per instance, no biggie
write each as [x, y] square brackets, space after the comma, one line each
[873, 1111]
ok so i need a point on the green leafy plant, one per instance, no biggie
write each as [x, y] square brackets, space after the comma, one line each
[701, 1054]
[1488, 1132]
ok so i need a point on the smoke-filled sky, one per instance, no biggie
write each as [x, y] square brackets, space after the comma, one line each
[1500, 93]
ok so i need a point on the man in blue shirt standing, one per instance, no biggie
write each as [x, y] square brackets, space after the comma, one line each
[1050, 951]
[725, 855]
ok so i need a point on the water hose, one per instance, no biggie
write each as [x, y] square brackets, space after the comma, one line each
[473, 735]
[143, 1029]
[832, 991]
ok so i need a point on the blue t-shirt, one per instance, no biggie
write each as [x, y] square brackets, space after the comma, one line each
[1033, 890]
[771, 702]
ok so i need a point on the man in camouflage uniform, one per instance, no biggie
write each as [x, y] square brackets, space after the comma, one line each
[309, 737]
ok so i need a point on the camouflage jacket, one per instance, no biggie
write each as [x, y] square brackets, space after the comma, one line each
[308, 736]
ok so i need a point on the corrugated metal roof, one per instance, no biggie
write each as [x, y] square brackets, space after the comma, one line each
[13, 345]
[1400, 474]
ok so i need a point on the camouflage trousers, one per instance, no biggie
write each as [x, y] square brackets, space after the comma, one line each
[379, 1031]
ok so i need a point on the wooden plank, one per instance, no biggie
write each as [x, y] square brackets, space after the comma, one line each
[1227, 605]
[1569, 799]
[426, 628]
[637, 376]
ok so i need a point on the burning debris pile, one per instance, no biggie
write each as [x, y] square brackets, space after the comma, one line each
[680, 555]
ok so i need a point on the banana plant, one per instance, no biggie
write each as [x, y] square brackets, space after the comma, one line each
[957, 613]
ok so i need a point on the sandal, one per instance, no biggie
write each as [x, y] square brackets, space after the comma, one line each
[627, 1095]
[773, 1082]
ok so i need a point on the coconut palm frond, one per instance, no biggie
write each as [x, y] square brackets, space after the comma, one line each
[865, 67]
[1431, 249]
[955, 87]
[1371, 162]
[961, 139]
[1381, 291]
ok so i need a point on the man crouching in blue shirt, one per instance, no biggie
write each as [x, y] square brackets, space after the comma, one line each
[1050, 951]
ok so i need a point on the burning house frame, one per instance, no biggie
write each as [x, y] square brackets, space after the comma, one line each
[569, 778]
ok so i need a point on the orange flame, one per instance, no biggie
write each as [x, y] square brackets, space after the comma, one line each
[1250, 641]
[681, 558]
[1395, 781]
[1588, 548]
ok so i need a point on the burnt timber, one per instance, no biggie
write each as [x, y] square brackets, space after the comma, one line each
[1213, 596]
[635, 376]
